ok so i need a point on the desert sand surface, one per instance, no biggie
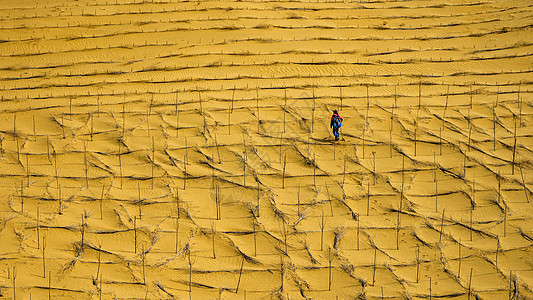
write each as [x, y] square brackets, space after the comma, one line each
[182, 149]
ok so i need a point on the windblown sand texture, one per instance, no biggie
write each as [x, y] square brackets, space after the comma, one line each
[168, 149]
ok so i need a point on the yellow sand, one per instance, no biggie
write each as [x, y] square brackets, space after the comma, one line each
[166, 149]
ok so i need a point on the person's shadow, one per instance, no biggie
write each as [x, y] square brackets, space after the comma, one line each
[328, 139]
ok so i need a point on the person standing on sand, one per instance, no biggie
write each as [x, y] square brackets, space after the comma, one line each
[336, 123]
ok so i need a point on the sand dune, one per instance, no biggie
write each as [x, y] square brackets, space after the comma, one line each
[166, 149]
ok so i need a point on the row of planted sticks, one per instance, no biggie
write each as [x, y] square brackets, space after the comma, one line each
[83, 243]
[363, 138]
[218, 203]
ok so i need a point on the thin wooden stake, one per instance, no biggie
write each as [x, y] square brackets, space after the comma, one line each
[257, 108]
[441, 226]
[519, 105]
[314, 169]
[153, 161]
[92, 125]
[430, 288]
[329, 200]
[440, 141]
[322, 223]
[395, 98]
[284, 166]
[497, 250]
[2, 147]
[123, 117]
[21, 197]
[255, 238]
[284, 235]
[514, 145]
[358, 228]
[524, 183]
[28, 169]
[49, 285]
[139, 200]
[44, 257]
[15, 127]
[401, 191]
[469, 135]
[143, 258]
[185, 158]
[232, 98]
[416, 130]
[344, 171]
[505, 221]
[218, 150]
[101, 287]
[390, 137]
[298, 204]
[471, 99]
[18, 149]
[258, 198]
[470, 284]
[374, 166]
[135, 233]
[38, 234]
[34, 133]
[101, 200]
[213, 229]
[55, 169]
[434, 167]
[244, 160]
[499, 186]
[177, 203]
[176, 241]
[151, 104]
[368, 199]
[82, 233]
[285, 111]
[436, 197]
[364, 130]
[85, 164]
[229, 120]
[190, 275]
[280, 145]
[464, 165]
[340, 95]
[177, 121]
[398, 230]
[244, 173]
[313, 113]
[459, 257]
[511, 285]
[120, 162]
[446, 104]
[282, 273]
[99, 261]
[419, 93]
[374, 269]
[14, 283]
[494, 127]
[330, 279]
[240, 275]
[367, 104]
[471, 229]
[417, 264]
